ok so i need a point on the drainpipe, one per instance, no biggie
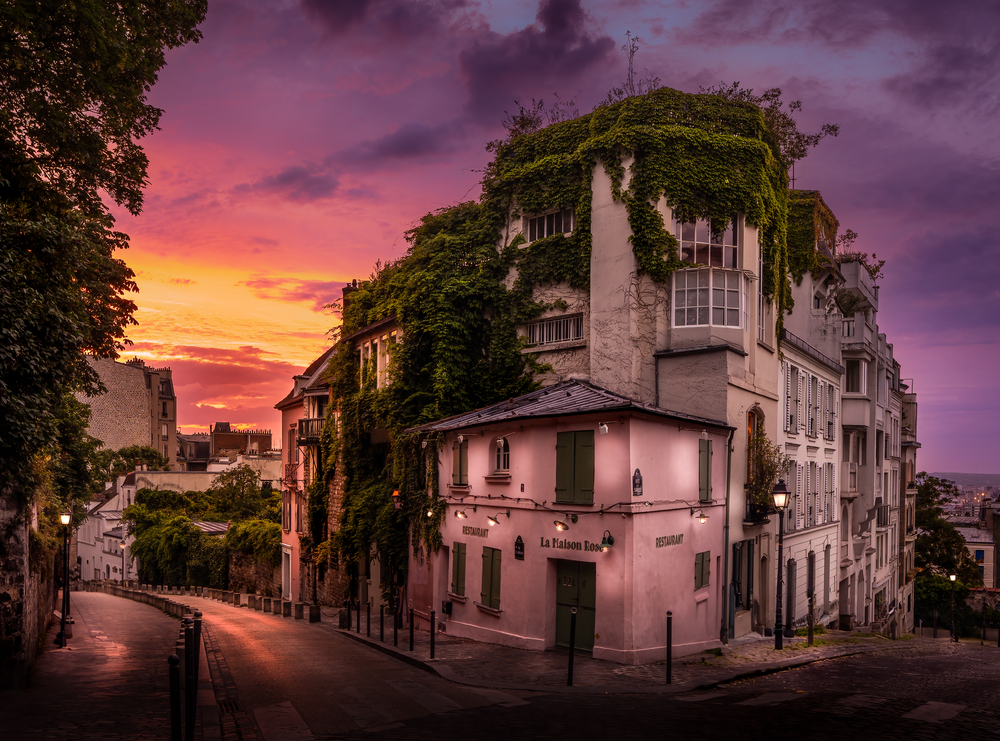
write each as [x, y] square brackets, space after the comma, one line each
[725, 543]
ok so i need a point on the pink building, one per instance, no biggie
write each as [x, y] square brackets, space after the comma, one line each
[573, 496]
[302, 413]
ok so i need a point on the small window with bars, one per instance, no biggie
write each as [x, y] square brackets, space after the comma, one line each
[557, 222]
[558, 329]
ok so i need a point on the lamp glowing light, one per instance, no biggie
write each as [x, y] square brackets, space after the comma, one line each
[64, 518]
[607, 542]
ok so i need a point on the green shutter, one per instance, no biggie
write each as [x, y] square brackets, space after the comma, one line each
[702, 569]
[456, 456]
[458, 569]
[495, 582]
[564, 466]
[704, 470]
[484, 594]
[583, 467]
[697, 569]
[463, 461]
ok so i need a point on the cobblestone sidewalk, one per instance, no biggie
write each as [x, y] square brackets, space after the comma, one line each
[500, 667]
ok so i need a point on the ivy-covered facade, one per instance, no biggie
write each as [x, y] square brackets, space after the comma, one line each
[647, 251]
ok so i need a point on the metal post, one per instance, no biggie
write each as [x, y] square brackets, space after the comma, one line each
[368, 616]
[359, 616]
[572, 645]
[777, 592]
[811, 618]
[954, 635]
[411, 629]
[670, 645]
[197, 645]
[65, 594]
[381, 623]
[175, 697]
[432, 634]
[190, 689]
[982, 640]
[395, 622]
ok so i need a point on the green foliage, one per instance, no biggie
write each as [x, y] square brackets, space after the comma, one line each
[73, 85]
[237, 494]
[768, 463]
[940, 549]
[810, 221]
[115, 463]
[258, 538]
[818, 630]
[933, 592]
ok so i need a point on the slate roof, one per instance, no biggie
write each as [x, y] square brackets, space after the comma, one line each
[313, 373]
[566, 398]
[115, 532]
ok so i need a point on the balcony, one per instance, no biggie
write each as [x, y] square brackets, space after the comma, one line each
[882, 517]
[309, 430]
[757, 514]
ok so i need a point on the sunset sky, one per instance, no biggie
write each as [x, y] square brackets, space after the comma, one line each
[301, 139]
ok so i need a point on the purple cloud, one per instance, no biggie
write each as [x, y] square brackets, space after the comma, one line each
[298, 183]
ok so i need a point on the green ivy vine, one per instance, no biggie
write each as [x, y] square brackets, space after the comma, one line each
[808, 218]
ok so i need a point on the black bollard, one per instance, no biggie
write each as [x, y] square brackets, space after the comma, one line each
[982, 641]
[381, 623]
[197, 645]
[811, 619]
[432, 634]
[368, 617]
[934, 634]
[670, 647]
[359, 617]
[572, 645]
[190, 689]
[395, 624]
[175, 697]
[411, 629]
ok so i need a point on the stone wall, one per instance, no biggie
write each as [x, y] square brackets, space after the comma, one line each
[26, 599]
[121, 416]
[333, 588]
[246, 574]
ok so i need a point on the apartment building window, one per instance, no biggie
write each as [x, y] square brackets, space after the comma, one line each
[707, 297]
[545, 225]
[575, 467]
[856, 379]
[163, 430]
[980, 556]
[558, 329]
[299, 513]
[490, 593]
[830, 429]
[286, 511]
[460, 463]
[458, 569]
[708, 243]
[702, 569]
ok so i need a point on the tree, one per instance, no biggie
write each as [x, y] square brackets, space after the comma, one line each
[792, 144]
[73, 85]
[940, 549]
[115, 463]
[631, 87]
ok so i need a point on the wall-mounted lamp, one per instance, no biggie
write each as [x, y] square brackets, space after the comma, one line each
[461, 439]
[702, 517]
[495, 519]
[607, 542]
[462, 514]
[396, 501]
[560, 525]
[423, 444]
[430, 513]
[704, 434]
[64, 518]
[602, 429]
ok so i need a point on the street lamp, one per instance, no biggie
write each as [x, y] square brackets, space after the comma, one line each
[65, 518]
[954, 636]
[780, 495]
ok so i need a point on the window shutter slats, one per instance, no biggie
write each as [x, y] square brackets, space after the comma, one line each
[583, 467]
[788, 396]
[564, 466]
[484, 594]
[704, 470]
[798, 407]
[495, 581]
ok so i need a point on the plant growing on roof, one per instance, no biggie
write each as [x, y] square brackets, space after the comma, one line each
[766, 464]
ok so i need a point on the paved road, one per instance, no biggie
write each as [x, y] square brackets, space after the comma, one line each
[298, 680]
[920, 691]
[110, 684]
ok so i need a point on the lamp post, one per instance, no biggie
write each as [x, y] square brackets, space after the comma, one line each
[954, 636]
[65, 518]
[780, 494]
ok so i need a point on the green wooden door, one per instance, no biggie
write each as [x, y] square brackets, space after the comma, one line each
[576, 586]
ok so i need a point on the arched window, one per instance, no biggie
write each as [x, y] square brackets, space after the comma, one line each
[501, 461]
[755, 426]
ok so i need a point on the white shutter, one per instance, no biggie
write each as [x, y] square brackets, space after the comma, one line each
[800, 491]
[788, 395]
[798, 406]
[823, 394]
[809, 405]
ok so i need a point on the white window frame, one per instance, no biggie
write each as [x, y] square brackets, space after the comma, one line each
[699, 244]
[708, 293]
[501, 456]
[540, 226]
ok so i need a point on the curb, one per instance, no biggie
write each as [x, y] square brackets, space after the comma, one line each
[447, 673]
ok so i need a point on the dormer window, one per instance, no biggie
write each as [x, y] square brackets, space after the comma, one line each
[557, 222]
[501, 460]
[706, 242]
